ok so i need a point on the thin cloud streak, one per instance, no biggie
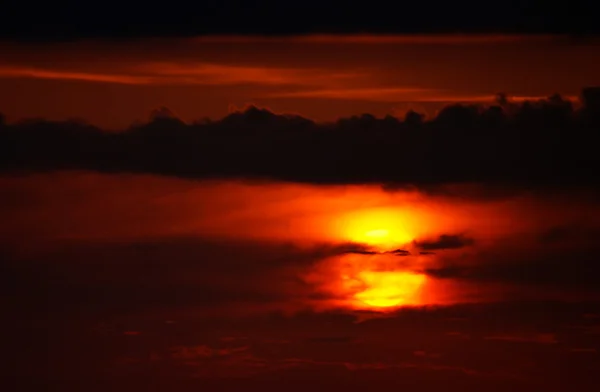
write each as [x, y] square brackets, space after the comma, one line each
[216, 74]
[188, 74]
[219, 74]
[40, 73]
[401, 94]
[391, 94]
[487, 98]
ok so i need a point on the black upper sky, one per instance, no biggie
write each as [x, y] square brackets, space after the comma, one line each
[68, 20]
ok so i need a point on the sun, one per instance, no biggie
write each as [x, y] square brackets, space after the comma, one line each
[382, 228]
[385, 289]
[377, 234]
[377, 280]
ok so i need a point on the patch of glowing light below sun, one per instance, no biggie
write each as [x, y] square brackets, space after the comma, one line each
[390, 288]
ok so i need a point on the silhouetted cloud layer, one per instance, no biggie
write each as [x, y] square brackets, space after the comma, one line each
[545, 141]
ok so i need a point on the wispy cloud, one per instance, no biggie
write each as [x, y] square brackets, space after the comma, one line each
[218, 74]
[41, 73]
[148, 73]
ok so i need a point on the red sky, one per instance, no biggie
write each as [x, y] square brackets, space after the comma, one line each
[321, 77]
[145, 282]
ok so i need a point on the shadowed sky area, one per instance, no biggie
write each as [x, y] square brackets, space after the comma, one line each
[213, 209]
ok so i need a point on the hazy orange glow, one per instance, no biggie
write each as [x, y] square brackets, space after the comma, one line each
[314, 223]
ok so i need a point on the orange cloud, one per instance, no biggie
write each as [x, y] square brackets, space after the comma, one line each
[189, 73]
[40, 73]
[217, 74]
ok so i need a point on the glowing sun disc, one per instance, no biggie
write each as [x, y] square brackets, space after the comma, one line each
[384, 228]
[378, 233]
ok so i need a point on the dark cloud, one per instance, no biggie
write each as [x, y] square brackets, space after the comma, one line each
[357, 249]
[445, 241]
[400, 252]
[366, 250]
[543, 271]
[535, 143]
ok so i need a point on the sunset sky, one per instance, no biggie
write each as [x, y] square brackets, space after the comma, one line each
[320, 196]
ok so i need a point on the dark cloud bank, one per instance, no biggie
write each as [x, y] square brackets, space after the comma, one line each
[543, 142]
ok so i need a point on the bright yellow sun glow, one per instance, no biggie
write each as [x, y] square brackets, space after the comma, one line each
[385, 289]
[377, 234]
[383, 228]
